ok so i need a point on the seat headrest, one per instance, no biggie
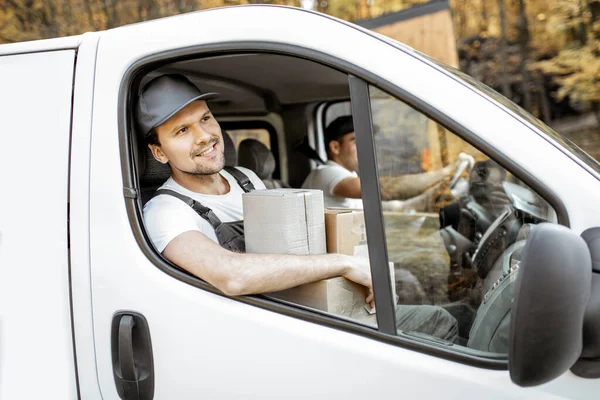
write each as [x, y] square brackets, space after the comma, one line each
[231, 156]
[255, 156]
[154, 173]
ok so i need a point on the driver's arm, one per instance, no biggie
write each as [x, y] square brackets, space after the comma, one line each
[392, 188]
[238, 274]
[407, 186]
[348, 187]
[401, 187]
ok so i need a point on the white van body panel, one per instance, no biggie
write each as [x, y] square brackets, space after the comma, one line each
[217, 347]
[80, 216]
[36, 347]
[37, 46]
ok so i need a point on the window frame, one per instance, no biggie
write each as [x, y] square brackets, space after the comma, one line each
[367, 160]
[130, 85]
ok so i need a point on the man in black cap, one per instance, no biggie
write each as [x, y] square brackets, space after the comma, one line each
[191, 219]
[339, 181]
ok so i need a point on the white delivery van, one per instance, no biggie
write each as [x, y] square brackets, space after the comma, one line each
[89, 309]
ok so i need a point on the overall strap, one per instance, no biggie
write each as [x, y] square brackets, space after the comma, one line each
[204, 212]
[230, 235]
[241, 178]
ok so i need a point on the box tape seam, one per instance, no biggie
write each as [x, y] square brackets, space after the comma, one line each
[307, 223]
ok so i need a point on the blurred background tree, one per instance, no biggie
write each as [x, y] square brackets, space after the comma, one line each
[542, 54]
[576, 66]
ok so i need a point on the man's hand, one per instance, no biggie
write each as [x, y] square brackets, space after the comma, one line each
[360, 272]
[460, 159]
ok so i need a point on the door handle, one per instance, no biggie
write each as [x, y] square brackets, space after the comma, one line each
[126, 361]
[133, 367]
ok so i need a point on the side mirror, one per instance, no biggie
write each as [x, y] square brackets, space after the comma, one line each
[588, 365]
[551, 294]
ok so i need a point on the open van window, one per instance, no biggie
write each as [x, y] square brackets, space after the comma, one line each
[431, 259]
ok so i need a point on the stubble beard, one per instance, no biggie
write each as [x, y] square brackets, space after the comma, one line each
[202, 170]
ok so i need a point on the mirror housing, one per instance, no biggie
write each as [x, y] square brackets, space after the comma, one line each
[551, 294]
[588, 365]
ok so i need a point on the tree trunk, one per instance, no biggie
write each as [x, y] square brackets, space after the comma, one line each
[543, 98]
[112, 14]
[503, 56]
[153, 10]
[47, 20]
[140, 11]
[180, 6]
[463, 19]
[596, 109]
[363, 9]
[68, 22]
[594, 9]
[583, 29]
[524, 44]
[90, 14]
[483, 24]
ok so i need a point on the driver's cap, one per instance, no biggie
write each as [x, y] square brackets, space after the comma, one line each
[163, 97]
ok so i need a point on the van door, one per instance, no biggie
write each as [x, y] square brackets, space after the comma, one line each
[186, 342]
[36, 342]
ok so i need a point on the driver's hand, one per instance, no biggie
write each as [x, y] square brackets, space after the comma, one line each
[460, 159]
[466, 157]
[360, 272]
[451, 168]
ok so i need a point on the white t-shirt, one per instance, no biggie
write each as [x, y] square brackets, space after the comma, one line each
[167, 217]
[326, 177]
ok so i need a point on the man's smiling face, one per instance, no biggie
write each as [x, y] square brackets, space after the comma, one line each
[191, 142]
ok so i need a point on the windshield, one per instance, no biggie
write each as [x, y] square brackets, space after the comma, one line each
[575, 150]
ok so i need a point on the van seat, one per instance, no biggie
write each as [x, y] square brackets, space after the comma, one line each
[255, 156]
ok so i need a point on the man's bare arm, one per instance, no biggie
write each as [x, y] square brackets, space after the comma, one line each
[238, 274]
[407, 186]
[348, 187]
[394, 188]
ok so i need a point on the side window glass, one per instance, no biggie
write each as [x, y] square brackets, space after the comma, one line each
[455, 224]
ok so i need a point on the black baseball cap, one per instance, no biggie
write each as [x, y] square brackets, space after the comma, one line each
[339, 127]
[163, 97]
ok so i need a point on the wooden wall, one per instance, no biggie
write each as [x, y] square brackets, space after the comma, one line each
[432, 34]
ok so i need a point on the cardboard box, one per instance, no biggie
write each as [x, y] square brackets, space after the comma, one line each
[292, 221]
[345, 228]
[284, 221]
[337, 296]
[346, 233]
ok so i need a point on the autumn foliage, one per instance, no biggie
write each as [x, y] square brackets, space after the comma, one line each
[540, 53]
